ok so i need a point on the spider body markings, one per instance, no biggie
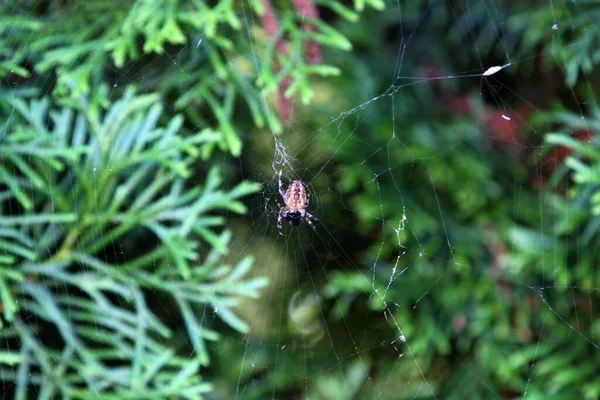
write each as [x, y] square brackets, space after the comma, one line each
[295, 199]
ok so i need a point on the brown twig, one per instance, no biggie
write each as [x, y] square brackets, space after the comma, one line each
[306, 8]
[269, 21]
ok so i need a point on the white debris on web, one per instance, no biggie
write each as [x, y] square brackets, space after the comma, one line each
[492, 70]
[506, 117]
[401, 226]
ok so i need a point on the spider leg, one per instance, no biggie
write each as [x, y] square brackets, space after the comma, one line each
[281, 215]
[281, 193]
[308, 218]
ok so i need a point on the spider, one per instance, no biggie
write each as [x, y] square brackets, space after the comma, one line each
[295, 199]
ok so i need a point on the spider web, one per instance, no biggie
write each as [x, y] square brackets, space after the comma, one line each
[341, 318]
[314, 258]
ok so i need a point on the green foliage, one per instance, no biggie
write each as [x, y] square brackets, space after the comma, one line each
[561, 35]
[443, 270]
[567, 45]
[199, 54]
[90, 183]
[110, 248]
[486, 285]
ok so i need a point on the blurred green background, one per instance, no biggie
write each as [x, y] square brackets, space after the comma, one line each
[458, 206]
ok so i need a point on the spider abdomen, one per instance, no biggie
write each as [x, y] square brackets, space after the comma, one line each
[295, 196]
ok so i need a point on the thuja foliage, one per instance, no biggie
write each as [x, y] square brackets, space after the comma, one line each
[83, 188]
[200, 54]
[113, 225]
